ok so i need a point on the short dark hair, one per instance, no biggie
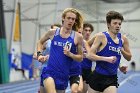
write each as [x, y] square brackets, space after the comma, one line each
[88, 25]
[113, 15]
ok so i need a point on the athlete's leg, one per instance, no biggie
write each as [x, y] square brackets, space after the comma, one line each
[85, 87]
[90, 90]
[42, 89]
[76, 83]
[80, 88]
[110, 89]
[86, 78]
[49, 85]
[74, 88]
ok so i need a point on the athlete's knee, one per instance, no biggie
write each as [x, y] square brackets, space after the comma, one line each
[48, 80]
[74, 91]
[80, 90]
[49, 85]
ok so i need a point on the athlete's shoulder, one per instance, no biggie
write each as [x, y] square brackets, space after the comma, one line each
[78, 35]
[124, 38]
[100, 35]
[51, 32]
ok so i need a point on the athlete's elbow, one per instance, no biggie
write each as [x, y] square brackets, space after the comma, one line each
[39, 43]
[80, 59]
[130, 58]
[90, 57]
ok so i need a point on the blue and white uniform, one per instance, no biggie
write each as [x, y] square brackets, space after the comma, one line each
[111, 49]
[75, 69]
[44, 64]
[81, 68]
[86, 63]
[59, 64]
[86, 66]
[105, 73]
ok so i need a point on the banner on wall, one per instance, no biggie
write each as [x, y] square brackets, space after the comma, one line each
[16, 38]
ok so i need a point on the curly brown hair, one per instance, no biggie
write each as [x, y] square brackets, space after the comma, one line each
[113, 15]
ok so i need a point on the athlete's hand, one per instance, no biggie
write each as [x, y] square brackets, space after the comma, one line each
[46, 57]
[111, 59]
[34, 56]
[123, 69]
[41, 58]
[66, 51]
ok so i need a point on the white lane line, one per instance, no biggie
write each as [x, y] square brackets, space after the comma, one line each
[17, 84]
[21, 88]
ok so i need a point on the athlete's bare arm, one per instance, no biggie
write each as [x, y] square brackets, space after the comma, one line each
[87, 48]
[78, 41]
[90, 41]
[126, 50]
[96, 46]
[48, 35]
[79, 57]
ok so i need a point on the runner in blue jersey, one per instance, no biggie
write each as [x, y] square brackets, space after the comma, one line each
[86, 64]
[46, 51]
[66, 46]
[106, 50]
[79, 72]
